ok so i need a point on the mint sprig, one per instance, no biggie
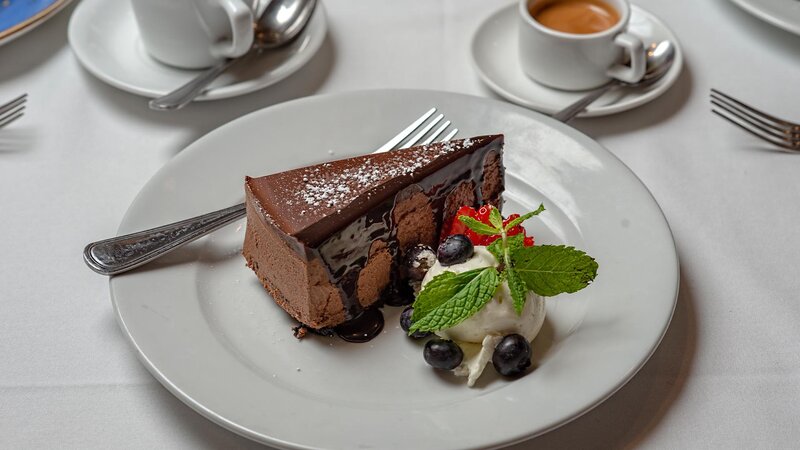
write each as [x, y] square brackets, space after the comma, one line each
[495, 218]
[514, 243]
[524, 217]
[478, 226]
[449, 312]
[518, 288]
[547, 270]
[443, 287]
[554, 269]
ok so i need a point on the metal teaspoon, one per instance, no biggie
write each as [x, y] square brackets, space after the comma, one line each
[658, 60]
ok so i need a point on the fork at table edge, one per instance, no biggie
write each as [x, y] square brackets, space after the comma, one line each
[123, 253]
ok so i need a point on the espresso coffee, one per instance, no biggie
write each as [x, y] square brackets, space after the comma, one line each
[574, 16]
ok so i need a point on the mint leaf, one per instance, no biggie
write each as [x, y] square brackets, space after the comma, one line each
[496, 249]
[478, 226]
[524, 217]
[517, 287]
[466, 302]
[496, 218]
[440, 289]
[514, 243]
[554, 269]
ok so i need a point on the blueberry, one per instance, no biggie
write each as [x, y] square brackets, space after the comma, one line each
[455, 249]
[512, 355]
[418, 260]
[443, 354]
[405, 324]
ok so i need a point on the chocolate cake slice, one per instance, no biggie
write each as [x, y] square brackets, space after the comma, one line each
[325, 240]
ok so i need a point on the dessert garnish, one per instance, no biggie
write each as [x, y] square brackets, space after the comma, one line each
[512, 355]
[487, 288]
[443, 354]
[458, 226]
[547, 270]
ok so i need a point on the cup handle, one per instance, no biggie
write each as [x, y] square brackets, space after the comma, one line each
[635, 49]
[241, 20]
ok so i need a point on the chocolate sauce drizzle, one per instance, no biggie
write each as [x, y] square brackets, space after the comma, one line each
[362, 328]
[347, 251]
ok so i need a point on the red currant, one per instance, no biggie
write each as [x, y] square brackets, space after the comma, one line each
[456, 226]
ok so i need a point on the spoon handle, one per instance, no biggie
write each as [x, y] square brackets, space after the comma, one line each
[568, 113]
[123, 253]
[182, 96]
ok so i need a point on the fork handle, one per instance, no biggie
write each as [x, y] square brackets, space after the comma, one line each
[123, 253]
[568, 113]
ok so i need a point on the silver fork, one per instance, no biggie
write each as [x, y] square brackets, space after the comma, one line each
[12, 110]
[123, 253]
[774, 130]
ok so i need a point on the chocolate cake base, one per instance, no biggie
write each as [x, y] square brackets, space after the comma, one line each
[315, 301]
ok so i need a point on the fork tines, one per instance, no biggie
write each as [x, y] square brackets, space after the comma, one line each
[12, 110]
[774, 130]
[424, 126]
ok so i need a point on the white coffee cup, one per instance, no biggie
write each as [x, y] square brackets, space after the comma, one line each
[193, 34]
[579, 61]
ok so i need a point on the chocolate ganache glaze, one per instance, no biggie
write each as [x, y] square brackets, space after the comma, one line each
[361, 212]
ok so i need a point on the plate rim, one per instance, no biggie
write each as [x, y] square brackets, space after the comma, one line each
[270, 440]
[222, 92]
[750, 7]
[614, 108]
[33, 22]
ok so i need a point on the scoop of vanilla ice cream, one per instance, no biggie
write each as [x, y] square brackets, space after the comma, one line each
[480, 334]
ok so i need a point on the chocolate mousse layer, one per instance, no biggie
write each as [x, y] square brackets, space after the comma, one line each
[325, 240]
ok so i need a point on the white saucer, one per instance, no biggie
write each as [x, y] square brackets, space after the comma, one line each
[105, 38]
[494, 54]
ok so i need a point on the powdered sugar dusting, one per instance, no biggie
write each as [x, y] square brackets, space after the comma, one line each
[325, 189]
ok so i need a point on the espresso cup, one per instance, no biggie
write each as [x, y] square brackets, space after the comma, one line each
[572, 61]
[193, 34]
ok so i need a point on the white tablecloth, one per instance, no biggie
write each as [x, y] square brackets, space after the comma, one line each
[726, 375]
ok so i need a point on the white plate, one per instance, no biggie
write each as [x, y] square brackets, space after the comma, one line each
[780, 13]
[205, 328]
[494, 56]
[104, 36]
[31, 14]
